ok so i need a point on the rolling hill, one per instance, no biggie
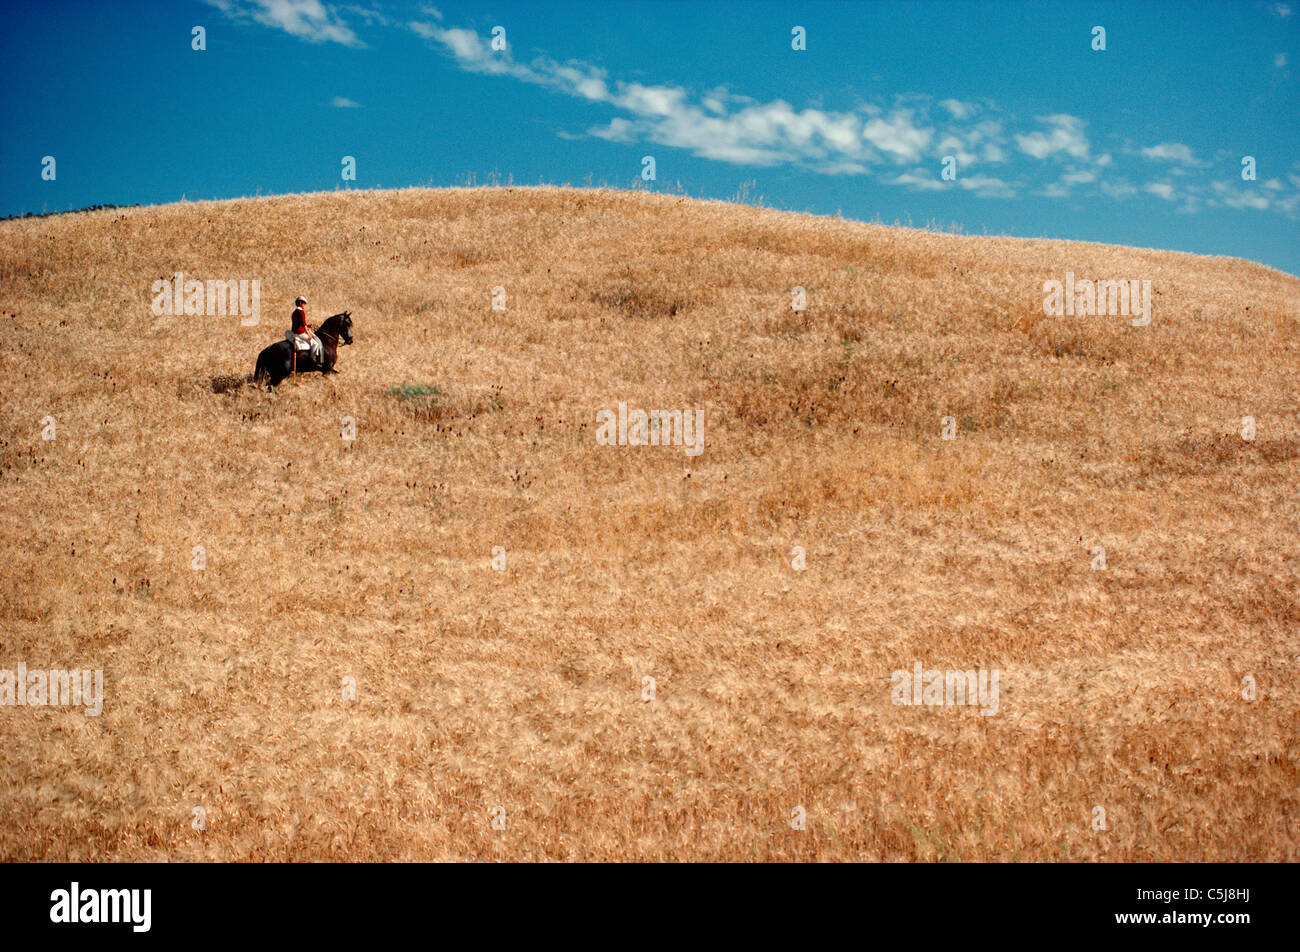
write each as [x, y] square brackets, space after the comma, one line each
[423, 610]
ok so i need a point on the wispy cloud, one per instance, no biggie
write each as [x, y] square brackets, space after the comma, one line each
[1235, 197]
[919, 180]
[1119, 189]
[958, 109]
[986, 186]
[904, 143]
[309, 20]
[368, 16]
[1065, 134]
[1169, 152]
[716, 125]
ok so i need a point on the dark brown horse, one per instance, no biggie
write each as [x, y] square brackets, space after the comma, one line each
[277, 361]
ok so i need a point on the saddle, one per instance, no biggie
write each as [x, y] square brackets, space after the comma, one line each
[312, 347]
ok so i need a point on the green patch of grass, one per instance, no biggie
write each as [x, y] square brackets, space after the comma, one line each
[421, 400]
[416, 392]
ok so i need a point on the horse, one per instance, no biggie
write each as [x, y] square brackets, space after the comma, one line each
[277, 361]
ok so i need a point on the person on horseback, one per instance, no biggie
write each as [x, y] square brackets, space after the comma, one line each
[299, 335]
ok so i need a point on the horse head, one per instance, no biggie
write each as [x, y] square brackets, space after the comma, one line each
[339, 326]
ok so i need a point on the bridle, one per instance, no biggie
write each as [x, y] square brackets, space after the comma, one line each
[336, 335]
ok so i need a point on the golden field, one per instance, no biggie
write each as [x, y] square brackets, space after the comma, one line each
[371, 559]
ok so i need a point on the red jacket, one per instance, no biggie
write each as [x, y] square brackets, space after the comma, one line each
[300, 324]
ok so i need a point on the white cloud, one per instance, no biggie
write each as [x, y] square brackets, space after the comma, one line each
[1066, 136]
[1257, 202]
[919, 180]
[1169, 152]
[309, 20]
[953, 145]
[717, 125]
[1281, 9]
[982, 142]
[986, 186]
[1279, 60]
[958, 109]
[902, 144]
[843, 168]
[897, 136]
[472, 52]
[371, 17]
[1237, 197]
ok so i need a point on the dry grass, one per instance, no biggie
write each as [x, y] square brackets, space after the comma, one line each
[522, 688]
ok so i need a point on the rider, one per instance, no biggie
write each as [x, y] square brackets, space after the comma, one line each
[301, 330]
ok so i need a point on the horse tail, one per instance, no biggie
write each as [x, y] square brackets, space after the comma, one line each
[262, 371]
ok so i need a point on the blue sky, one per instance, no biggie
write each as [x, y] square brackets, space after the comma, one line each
[1139, 144]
